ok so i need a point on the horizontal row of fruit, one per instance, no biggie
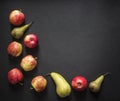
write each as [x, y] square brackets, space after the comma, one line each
[39, 83]
[28, 63]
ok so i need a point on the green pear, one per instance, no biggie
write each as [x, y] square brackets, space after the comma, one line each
[63, 89]
[95, 85]
[18, 32]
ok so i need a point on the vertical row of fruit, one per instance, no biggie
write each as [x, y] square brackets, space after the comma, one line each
[15, 49]
[28, 63]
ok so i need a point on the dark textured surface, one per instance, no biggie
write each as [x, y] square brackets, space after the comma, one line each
[76, 37]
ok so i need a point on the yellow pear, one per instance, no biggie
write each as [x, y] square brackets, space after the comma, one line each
[63, 88]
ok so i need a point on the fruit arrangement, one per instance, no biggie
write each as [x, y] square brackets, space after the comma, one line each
[28, 63]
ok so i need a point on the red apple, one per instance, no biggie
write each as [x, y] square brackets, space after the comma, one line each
[31, 40]
[39, 83]
[14, 49]
[79, 83]
[28, 63]
[15, 76]
[16, 17]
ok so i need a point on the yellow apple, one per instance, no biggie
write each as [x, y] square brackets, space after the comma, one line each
[28, 63]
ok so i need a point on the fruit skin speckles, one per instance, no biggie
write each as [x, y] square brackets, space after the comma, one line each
[16, 17]
[31, 40]
[14, 49]
[39, 83]
[28, 63]
[15, 76]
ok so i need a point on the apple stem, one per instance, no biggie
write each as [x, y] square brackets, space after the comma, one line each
[31, 88]
[48, 74]
[20, 83]
[20, 10]
[36, 58]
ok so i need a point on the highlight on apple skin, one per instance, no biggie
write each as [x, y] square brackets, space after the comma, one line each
[31, 40]
[16, 17]
[28, 63]
[14, 48]
[39, 83]
[15, 76]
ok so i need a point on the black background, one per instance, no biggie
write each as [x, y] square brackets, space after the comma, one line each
[76, 37]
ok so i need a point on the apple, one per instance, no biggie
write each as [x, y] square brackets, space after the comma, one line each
[15, 76]
[31, 40]
[39, 83]
[16, 17]
[28, 63]
[79, 83]
[14, 48]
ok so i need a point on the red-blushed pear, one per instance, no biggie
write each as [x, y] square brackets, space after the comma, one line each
[16, 17]
[28, 63]
[14, 48]
[15, 76]
[39, 83]
[31, 40]
[79, 83]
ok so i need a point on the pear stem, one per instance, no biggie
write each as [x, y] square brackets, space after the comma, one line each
[30, 23]
[106, 74]
[20, 83]
[48, 74]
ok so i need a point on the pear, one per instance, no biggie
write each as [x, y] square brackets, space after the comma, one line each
[18, 32]
[95, 85]
[63, 88]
